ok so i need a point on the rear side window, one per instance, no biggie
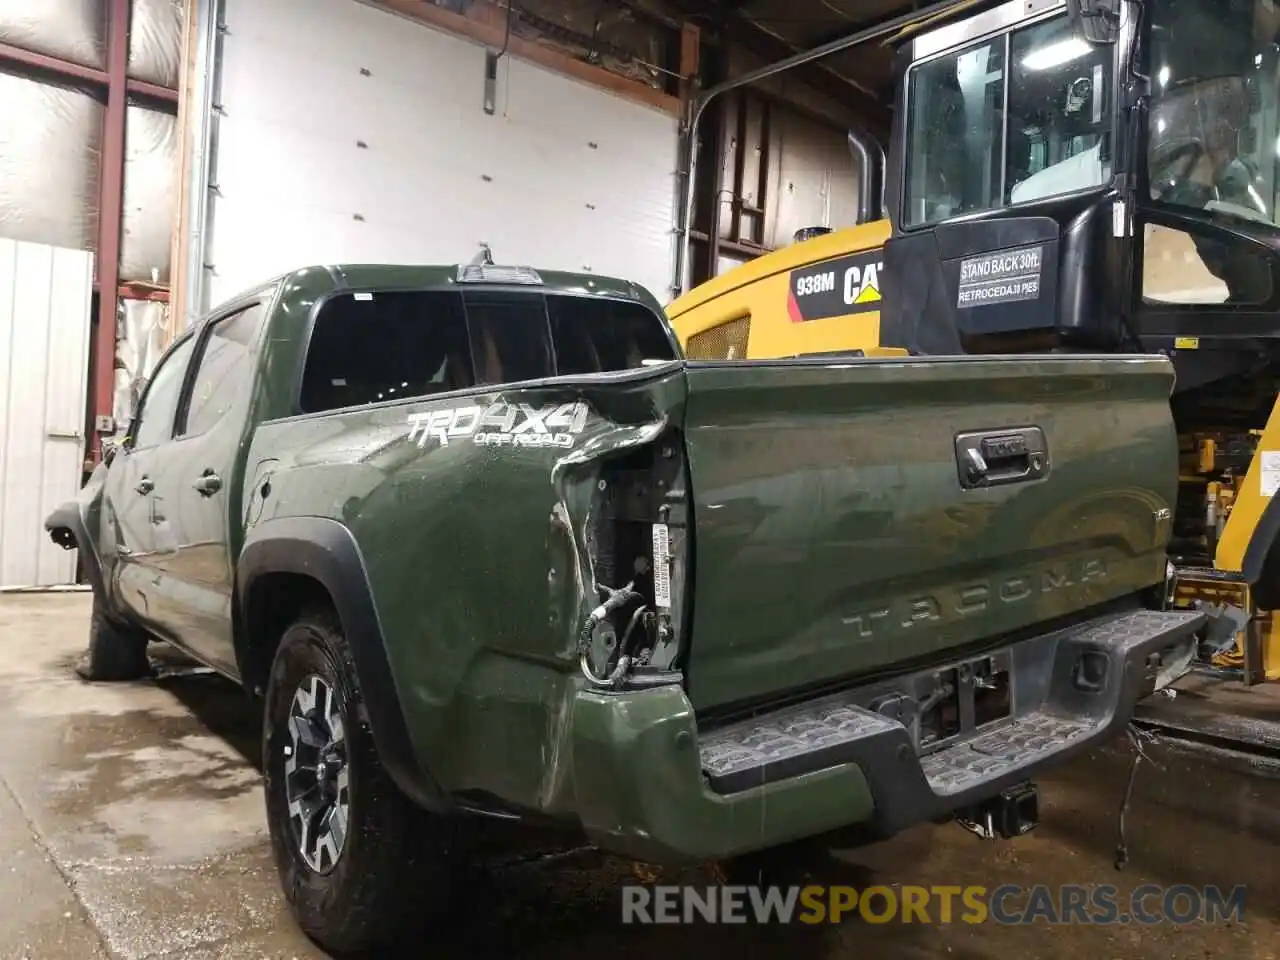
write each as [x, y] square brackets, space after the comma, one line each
[509, 338]
[372, 347]
[366, 348]
[595, 336]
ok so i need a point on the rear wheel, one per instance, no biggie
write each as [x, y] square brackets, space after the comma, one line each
[361, 865]
[117, 651]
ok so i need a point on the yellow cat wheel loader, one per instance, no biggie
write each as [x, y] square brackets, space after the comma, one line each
[1074, 176]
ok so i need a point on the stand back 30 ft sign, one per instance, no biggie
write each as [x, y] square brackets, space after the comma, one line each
[841, 287]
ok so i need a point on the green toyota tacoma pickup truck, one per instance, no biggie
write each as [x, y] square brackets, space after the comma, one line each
[481, 543]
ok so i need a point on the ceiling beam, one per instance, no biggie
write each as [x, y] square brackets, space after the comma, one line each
[820, 77]
[722, 15]
[857, 26]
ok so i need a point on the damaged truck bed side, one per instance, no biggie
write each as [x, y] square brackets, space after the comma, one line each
[483, 542]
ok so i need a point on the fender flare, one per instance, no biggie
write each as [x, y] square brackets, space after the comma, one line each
[325, 551]
[1262, 547]
[69, 517]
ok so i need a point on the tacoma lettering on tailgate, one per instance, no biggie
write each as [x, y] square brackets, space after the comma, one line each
[974, 597]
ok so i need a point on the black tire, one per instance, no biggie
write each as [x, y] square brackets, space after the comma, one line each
[392, 874]
[117, 651]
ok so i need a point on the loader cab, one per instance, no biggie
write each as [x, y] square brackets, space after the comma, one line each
[1088, 175]
[1104, 176]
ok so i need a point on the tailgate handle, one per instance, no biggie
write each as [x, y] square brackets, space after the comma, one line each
[990, 458]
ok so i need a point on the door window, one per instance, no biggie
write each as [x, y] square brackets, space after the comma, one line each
[1215, 109]
[160, 402]
[1185, 267]
[226, 368]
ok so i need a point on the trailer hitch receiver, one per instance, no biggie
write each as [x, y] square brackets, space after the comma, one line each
[1010, 814]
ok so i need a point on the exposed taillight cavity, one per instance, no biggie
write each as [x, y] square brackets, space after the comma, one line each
[636, 543]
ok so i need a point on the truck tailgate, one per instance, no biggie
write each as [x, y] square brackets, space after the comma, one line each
[835, 538]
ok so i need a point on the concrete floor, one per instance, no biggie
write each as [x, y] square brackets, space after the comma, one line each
[131, 826]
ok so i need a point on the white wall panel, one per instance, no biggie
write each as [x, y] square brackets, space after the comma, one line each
[351, 134]
[45, 295]
[814, 179]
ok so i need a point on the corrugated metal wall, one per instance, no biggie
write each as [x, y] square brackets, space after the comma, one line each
[45, 298]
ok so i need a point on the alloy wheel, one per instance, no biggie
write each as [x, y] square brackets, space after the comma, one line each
[317, 774]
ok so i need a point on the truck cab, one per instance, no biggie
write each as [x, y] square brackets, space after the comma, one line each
[480, 543]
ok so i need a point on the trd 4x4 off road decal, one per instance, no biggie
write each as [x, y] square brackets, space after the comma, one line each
[836, 288]
[502, 424]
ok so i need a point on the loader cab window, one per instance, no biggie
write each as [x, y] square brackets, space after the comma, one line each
[956, 134]
[1214, 136]
[1213, 151]
[1058, 114]
[1006, 120]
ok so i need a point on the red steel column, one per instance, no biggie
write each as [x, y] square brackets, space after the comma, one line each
[110, 213]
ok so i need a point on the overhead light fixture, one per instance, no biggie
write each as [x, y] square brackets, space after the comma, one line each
[1163, 76]
[1056, 54]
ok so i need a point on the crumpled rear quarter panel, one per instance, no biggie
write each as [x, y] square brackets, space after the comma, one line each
[475, 558]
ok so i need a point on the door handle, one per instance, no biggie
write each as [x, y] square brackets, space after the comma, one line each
[208, 484]
[990, 458]
[145, 486]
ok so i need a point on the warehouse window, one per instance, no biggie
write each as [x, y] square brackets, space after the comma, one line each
[369, 347]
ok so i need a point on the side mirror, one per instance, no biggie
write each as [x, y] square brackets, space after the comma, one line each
[109, 450]
[1096, 21]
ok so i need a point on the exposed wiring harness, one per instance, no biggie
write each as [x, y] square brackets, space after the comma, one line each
[614, 601]
[506, 40]
[1136, 736]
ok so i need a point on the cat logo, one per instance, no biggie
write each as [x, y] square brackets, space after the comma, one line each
[836, 288]
[862, 284]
